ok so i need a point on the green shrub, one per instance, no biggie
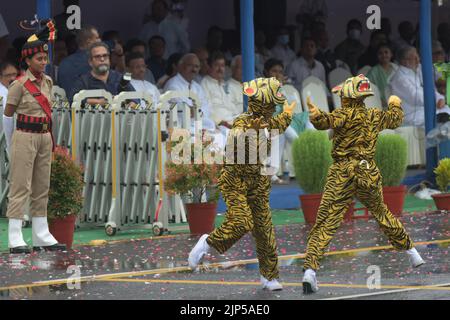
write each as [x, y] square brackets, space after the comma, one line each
[66, 186]
[391, 158]
[311, 152]
[442, 172]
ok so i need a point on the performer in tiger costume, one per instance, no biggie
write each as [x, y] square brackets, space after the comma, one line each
[353, 172]
[245, 188]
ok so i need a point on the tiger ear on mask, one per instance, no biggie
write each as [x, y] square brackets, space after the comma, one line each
[249, 89]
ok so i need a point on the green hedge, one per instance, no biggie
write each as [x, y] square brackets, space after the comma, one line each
[391, 158]
[311, 152]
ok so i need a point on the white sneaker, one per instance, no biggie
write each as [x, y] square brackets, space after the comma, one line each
[197, 253]
[272, 285]
[310, 282]
[414, 258]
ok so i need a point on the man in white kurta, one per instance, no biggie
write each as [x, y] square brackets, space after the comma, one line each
[188, 68]
[407, 84]
[136, 66]
[223, 111]
[234, 84]
[305, 66]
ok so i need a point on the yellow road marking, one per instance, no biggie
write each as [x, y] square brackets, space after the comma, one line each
[227, 264]
[287, 284]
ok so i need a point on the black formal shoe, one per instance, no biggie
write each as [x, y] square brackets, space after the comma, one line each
[19, 250]
[54, 247]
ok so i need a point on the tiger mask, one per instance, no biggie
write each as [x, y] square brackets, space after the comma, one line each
[264, 94]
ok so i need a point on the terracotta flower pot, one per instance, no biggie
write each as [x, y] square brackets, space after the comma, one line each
[442, 201]
[62, 229]
[310, 206]
[394, 198]
[201, 217]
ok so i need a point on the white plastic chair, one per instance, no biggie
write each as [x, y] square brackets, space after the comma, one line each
[292, 94]
[59, 93]
[364, 70]
[337, 76]
[375, 100]
[316, 89]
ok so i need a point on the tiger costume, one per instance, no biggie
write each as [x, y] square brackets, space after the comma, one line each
[243, 186]
[354, 171]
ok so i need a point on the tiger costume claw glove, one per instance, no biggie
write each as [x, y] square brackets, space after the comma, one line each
[394, 101]
[289, 108]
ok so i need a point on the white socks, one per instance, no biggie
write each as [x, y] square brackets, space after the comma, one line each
[15, 237]
[414, 258]
[41, 234]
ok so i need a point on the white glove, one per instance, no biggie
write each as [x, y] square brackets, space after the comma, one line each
[8, 128]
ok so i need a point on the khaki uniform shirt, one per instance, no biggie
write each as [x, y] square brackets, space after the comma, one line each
[21, 98]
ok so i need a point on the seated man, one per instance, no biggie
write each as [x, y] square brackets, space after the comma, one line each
[136, 66]
[76, 64]
[305, 66]
[407, 83]
[100, 77]
[223, 111]
[188, 68]
[234, 84]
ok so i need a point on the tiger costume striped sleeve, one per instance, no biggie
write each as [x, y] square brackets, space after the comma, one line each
[244, 189]
[354, 171]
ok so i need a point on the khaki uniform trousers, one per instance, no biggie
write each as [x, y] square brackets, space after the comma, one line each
[31, 155]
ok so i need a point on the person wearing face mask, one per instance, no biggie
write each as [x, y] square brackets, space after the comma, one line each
[407, 83]
[351, 48]
[101, 76]
[281, 50]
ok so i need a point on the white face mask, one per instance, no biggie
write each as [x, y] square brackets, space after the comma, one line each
[354, 34]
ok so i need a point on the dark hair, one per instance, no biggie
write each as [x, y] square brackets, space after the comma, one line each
[96, 45]
[110, 35]
[213, 29]
[354, 22]
[133, 43]
[377, 32]
[385, 45]
[84, 34]
[156, 37]
[6, 64]
[133, 56]
[305, 39]
[216, 55]
[270, 63]
[166, 5]
[404, 24]
[174, 58]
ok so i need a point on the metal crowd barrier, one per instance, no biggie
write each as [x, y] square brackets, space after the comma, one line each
[122, 150]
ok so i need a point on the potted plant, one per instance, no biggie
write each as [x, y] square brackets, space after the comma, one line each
[311, 152]
[65, 199]
[442, 171]
[391, 159]
[195, 181]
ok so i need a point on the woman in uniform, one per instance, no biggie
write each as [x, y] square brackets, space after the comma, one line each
[30, 145]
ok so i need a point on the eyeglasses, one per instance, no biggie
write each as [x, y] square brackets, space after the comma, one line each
[101, 56]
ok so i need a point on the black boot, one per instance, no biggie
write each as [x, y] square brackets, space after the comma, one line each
[19, 250]
[54, 247]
